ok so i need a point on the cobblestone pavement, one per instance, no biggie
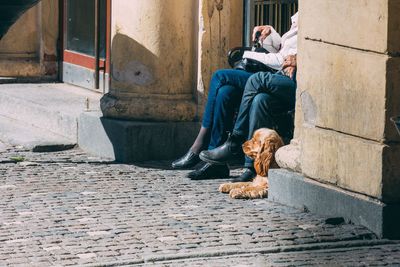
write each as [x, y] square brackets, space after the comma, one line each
[67, 208]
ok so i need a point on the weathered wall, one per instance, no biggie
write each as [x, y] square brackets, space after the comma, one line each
[49, 36]
[348, 88]
[159, 60]
[221, 24]
[30, 46]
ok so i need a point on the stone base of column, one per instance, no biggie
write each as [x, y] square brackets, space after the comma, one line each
[129, 141]
[293, 189]
[156, 107]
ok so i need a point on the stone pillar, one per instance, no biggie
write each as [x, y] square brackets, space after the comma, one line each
[348, 88]
[152, 48]
[29, 49]
[19, 48]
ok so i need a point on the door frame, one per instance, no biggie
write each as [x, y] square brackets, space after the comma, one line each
[100, 68]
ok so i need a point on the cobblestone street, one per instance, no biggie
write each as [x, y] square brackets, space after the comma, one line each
[67, 208]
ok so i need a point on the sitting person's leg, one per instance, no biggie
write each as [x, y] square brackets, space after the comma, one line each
[220, 78]
[260, 111]
[226, 103]
[279, 87]
[261, 115]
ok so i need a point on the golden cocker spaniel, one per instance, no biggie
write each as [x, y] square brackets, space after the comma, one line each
[261, 148]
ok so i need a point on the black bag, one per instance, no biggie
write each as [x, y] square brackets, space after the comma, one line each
[236, 60]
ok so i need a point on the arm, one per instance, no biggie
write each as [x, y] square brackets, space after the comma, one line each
[273, 60]
[269, 37]
[290, 65]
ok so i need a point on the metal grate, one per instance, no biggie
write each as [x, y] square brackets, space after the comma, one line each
[276, 13]
[269, 12]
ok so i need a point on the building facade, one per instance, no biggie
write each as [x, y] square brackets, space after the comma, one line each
[153, 60]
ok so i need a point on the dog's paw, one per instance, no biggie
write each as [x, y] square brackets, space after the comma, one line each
[236, 193]
[248, 193]
[225, 188]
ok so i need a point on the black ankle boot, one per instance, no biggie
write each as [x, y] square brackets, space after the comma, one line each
[209, 171]
[228, 152]
[190, 159]
[248, 176]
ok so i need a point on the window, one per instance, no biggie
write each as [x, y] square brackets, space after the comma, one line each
[268, 12]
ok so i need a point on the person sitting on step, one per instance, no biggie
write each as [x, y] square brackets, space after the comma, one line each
[265, 97]
[224, 96]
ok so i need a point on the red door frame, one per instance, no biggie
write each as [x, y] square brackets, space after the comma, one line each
[81, 59]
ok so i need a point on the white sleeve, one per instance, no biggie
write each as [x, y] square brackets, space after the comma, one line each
[273, 41]
[272, 60]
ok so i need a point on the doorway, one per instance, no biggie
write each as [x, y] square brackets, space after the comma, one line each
[86, 35]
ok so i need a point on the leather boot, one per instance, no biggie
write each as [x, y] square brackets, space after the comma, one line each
[247, 176]
[188, 160]
[209, 171]
[230, 151]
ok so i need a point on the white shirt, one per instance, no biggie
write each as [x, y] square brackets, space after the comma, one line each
[285, 45]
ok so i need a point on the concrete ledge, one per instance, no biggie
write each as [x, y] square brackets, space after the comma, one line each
[295, 190]
[134, 141]
[17, 133]
[54, 107]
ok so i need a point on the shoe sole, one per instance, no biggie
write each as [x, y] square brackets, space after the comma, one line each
[238, 162]
[212, 161]
[187, 167]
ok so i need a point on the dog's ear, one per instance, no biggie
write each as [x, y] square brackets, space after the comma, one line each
[250, 149]
[266, 156]
[247, 147]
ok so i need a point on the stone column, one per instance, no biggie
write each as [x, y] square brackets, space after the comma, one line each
[29, 49]
[152, 54]
[19, 48]
[348, 88]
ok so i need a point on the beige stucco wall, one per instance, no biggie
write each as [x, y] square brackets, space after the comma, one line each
[221, 24]
[30, 46]
[163, 52]
[348, 88]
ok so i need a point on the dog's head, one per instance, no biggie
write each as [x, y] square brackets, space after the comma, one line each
[262, 148]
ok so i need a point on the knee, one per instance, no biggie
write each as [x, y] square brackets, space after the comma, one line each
[225, 94]
[256, 80]
[220, 75]
[253, 80]
[260, 101]
[217, 73]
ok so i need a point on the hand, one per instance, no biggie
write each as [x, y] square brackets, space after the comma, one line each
[289, 71]
[265, 31]
[290, 61]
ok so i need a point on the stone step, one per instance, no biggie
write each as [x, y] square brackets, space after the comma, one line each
[54, 107]
[19, 133]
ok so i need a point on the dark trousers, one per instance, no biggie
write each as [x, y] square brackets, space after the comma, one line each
[265, 97]
[224, 96]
